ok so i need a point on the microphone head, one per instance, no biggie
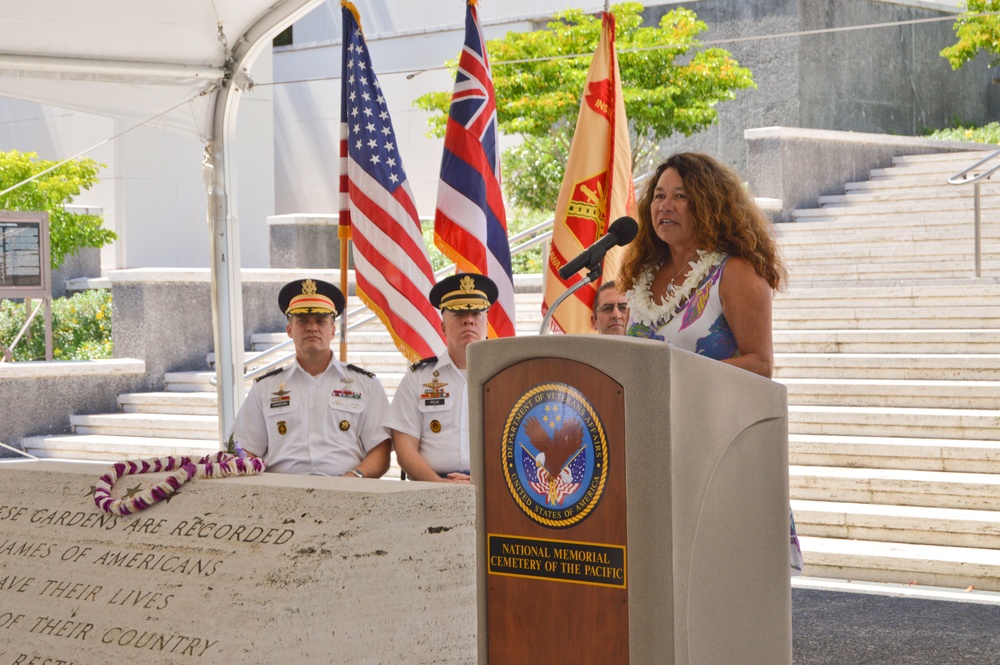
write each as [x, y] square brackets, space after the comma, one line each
[625, 229]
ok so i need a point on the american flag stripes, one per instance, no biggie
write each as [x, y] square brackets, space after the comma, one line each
[392, 268]
[470, 225]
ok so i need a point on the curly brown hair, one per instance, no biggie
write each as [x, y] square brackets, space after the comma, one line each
[725, 217]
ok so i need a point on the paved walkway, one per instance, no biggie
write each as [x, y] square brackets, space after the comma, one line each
[838, 627]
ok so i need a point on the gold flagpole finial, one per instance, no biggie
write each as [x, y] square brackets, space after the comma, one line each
[354, 11]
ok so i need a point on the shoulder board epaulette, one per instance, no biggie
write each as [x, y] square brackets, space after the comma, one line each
[420, 363]
[271, 373]
[359, 370]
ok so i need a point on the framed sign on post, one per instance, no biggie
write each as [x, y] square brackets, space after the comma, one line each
[25, 267]
[24, 255]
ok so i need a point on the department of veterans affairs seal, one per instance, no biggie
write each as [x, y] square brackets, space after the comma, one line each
[555, 454]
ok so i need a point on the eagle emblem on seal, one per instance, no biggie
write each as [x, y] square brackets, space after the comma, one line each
[554, 479]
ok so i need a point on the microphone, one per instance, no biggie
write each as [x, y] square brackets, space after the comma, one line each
[622, 231]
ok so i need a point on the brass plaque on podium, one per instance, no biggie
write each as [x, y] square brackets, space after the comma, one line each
[554, 487]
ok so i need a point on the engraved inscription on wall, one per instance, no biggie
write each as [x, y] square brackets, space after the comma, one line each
[81, 586]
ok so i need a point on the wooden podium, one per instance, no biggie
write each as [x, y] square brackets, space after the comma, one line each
[632, 505]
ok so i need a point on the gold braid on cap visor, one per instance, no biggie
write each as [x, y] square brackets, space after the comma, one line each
[310, 304]
[465, 300]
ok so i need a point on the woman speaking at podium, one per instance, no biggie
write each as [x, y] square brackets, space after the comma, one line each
[700, 273]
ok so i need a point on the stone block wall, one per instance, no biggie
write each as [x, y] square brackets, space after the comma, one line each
[797, 166]
[86, 262]
[305, 242]
[164, 315]
[880, 80]
[40, 397]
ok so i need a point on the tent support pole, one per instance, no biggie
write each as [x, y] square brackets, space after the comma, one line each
[227, 292]
[227, 296]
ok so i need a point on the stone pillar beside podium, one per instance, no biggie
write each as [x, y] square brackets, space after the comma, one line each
[632, 505]
[305, 241]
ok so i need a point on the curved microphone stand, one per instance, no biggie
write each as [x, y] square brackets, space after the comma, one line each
[595, 273]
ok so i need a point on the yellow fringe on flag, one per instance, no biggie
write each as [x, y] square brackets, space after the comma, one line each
[354, 10]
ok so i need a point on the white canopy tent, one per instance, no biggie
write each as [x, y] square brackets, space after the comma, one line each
[180, 65]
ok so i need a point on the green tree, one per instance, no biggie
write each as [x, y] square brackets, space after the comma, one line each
[976, 31]
[670, 84]
[68, 231]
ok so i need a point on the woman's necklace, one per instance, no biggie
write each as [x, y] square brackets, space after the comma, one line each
[643, 309]
[670, 285]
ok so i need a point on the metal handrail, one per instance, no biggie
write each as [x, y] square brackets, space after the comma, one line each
[18, 451]
[954, 180]
[961, 178]
[536, 235]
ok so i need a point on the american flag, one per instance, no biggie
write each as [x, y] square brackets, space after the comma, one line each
[392, 269]
[470, 225]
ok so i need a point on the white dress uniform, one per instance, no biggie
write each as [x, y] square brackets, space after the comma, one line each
[432, 404]
[324, 425]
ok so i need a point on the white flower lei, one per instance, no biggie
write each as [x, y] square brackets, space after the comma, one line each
[640, 299]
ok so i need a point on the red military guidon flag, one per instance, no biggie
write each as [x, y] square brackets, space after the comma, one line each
[596, 188]
[470, 225]
[392, 268]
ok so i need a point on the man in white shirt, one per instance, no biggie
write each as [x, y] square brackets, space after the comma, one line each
[610, 313]
[429, 416]
[316, 416]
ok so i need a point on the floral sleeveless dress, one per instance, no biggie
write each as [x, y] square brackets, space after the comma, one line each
[699, 325]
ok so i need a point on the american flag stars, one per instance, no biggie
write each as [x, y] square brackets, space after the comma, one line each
[373, 146]
[392, 269]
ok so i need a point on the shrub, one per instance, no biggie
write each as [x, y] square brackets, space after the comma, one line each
[986, 134]
[81, 327]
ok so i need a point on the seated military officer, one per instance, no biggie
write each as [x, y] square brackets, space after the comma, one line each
[429, 416]
[316, 416]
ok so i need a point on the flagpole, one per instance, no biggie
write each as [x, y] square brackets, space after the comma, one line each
[343, 289]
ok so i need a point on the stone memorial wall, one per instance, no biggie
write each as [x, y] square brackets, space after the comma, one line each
[262, 569]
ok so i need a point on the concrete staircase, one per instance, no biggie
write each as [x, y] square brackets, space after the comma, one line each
[888, 346]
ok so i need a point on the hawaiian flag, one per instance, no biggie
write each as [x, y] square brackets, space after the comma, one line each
[392, 268]
[470, 225]
[597, 186]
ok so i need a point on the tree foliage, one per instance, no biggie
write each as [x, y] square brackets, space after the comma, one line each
[68, 231]
[976, 31]
[533, 170]
[670, 84]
